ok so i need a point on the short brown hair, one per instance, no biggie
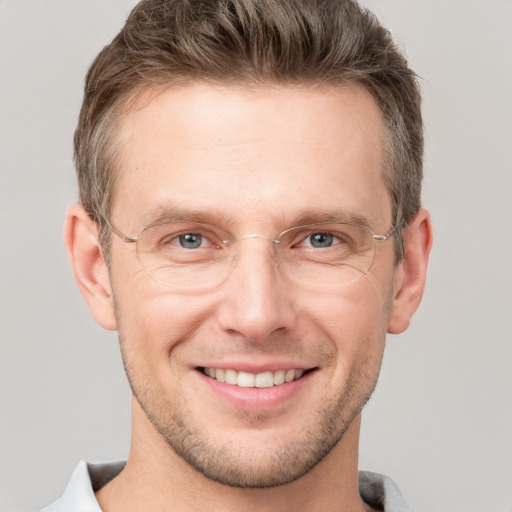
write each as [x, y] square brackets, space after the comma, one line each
[314, 42]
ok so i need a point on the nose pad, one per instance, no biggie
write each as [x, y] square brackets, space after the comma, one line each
[236, 242]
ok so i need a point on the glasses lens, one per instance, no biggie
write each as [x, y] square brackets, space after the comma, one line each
[184, 255]
[328, 254]
[196, 256]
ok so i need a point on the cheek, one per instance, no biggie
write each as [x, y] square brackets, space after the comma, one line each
[355, 320]
[153, 322]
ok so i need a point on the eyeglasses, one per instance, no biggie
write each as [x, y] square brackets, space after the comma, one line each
[194, 256]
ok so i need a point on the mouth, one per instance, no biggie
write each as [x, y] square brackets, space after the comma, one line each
[266, 379]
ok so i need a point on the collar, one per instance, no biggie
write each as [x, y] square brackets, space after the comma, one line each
[377, 490]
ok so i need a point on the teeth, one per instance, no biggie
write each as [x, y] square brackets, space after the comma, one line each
[264, 380]
[245, 380]
[231, 377]
[253, 380]
[278, 377]
[288, 377]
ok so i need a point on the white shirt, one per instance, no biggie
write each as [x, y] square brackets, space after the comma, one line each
[377, 490]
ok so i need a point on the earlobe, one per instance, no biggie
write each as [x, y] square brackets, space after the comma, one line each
[411, 272]
[89, 267]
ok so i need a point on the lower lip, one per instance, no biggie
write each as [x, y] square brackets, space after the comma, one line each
[256, 399]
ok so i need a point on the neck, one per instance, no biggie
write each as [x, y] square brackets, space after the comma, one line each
[156, 478]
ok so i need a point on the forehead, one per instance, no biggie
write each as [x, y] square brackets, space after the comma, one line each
[254, 152]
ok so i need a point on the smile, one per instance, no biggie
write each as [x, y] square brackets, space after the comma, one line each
[266, 379]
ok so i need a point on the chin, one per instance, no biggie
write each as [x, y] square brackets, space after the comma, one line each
[258, 457]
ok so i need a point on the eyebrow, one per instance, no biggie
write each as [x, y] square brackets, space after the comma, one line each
[316, 216]
[170, 212]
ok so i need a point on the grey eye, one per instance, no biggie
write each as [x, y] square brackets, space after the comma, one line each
[321, 240]
[190, 241]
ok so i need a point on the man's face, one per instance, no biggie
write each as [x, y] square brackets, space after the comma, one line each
[252, 161]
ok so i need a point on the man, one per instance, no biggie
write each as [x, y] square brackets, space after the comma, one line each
[250, 223]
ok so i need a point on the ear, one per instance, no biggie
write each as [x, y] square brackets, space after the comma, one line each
[89, 267]
[409, 280]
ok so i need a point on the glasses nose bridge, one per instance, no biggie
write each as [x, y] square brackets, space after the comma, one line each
[257, 235]
[234, 244]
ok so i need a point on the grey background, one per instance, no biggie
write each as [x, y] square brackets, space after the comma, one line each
[440, 422]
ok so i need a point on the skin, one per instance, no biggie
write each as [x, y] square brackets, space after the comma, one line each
[255, 160]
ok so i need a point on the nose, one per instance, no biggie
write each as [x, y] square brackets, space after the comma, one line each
[257, 300]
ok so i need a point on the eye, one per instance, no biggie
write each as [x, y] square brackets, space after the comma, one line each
[320, 240]
[180, 240]
[190, 240]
